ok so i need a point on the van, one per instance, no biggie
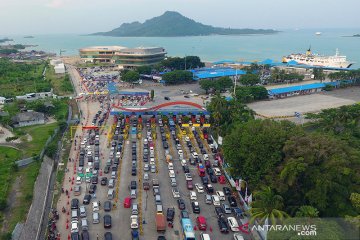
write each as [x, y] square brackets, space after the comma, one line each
[111, 183]
[133, 194]
[134, 209]
[74, 215]
[159, 208]
[110, 194]
[84, 224]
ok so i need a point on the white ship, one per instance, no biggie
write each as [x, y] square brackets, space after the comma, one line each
[311, 59]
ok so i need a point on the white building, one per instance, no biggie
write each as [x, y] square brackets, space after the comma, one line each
[59, 68]
[2, 100]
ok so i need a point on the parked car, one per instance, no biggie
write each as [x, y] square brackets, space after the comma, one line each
[170, 213]
[107, 221]
[233, 224]
[232, 201]
[107, 206]
[181, 204]
[195, 207]
[223, 226]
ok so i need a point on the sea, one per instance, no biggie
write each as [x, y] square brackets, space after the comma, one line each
[215, 48]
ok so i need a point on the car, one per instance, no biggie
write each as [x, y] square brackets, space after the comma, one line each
[165, 145]
[152, 169]
[161, 238]
[107, 221]
[205, 180]
[133, 185]
[226, 191]
[232, 201]
[223, 226]
[134, 222]
[127, 202]
[108, 236]
[78, 180]
[222, 179]
[175, 192]
[170, 213]
[215, 200]
[77, 190]
[87, 199]
[171, 173]
[181, 204]
[221, 195]
[152, 161]
[192, 161]
[206, 157]
[133, 172]
[183, 162]
[187, 139]
[226, 208]
[74, 226]
[201, 223]
[208, 199]
[106, 169]
[186, 169]
[96, 217]
[213, 178]
[74, 203]
[217, 171]
[186, 96]
[194, 155]
[85, 235]
[82, 211]
[189, 185]
[233, 224]
[166, 98]
[195, 207]
[238, 236]
[107, 206]
[146, 176]
[95, 206]
[92, 188]
[193, 195]
[171, 166]
[184, 214]
[209, 189]
[199, 188]
[188, 177]
[146, 167]
[219, 211]
[103, 181]
[210, 171]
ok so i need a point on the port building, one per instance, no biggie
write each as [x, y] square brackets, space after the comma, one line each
[123, 56]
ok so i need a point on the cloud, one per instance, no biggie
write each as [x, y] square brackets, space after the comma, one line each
[56, 3]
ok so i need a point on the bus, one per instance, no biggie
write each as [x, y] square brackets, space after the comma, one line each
[187, 229]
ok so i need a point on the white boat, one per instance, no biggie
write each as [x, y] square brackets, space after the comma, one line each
[318, 33]
[311, 59]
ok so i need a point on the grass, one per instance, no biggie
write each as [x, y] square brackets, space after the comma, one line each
[59, 82]
[7, 158]
[39, 134]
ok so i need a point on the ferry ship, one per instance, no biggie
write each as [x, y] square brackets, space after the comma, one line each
[311, 59]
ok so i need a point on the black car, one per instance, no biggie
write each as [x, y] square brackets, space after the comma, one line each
[186, 169]
[184, 214]
[192, 161]
[210, 171]
[165, 145]
[223, 226]
[108, 236]
[87, 199]
[134, 158]
[92, 188]
[203, 151]
[107, 221]
[209, 189]
[94, 180]
[161, 238]
[85, 235]
[106, 169]
[195, 207]
[213, 178]
[205, 180]
[226, 191]
[232, 201]
[170, 213]
[133, 171]
[133, 185]
[117, 161]
[107, 206]
[74, 203]
[167, 98]
[181, 204]
[75, 236]
[103, 181]
[201, 146]
[219, 211]
[97, 165]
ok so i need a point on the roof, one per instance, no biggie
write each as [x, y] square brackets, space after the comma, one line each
[300, 88]
[215, 72]
[28, 116]
[103, 48]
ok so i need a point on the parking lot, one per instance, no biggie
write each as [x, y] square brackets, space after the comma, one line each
[114, 168]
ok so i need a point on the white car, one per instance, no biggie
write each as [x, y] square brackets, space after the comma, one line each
[171, 173]
[152, 161]
[150, 138]
[183, 162]
[187, 139]
[206, 157]
[176, 193]
[188, 177]
[193, 195]
[134, 221]
[238, 236]
[199, 188]
[146, 176]
[216, 200]
[194, 155]
[178, 146]
[78, 180]
[180, 152]
[233, 224]
[217, 171]
[74, 226]
[95, 206]
[221, 195]
[171, 166]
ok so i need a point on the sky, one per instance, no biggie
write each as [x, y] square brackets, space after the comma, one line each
[88, 16]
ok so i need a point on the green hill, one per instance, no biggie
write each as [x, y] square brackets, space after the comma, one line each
[172, 24]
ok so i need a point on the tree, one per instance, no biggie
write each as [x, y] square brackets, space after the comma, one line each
[249, 79]
[223, 83]
[130, 76]
[206, 84]
[144, 70]
[318, 74]
[307, 211]
[193, 62]
[267, 207]
[177, 77]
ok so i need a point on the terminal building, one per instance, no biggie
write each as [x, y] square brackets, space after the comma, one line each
[122, 56]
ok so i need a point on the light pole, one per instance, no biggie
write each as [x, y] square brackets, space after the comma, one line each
[235, 82]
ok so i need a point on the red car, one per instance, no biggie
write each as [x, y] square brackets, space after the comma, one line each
[127, 202]
[201, 222]
[189, 185]
[222, 179]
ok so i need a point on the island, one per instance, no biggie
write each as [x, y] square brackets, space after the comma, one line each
[173, 24]
[2, 40]
[28, 36]
[356, 35]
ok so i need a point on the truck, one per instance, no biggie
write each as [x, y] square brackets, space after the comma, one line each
[160, 222]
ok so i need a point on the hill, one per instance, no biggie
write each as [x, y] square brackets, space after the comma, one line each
[173, 24]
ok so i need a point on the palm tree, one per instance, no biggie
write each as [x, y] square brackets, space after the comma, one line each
[307, 211]
[267, 207]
